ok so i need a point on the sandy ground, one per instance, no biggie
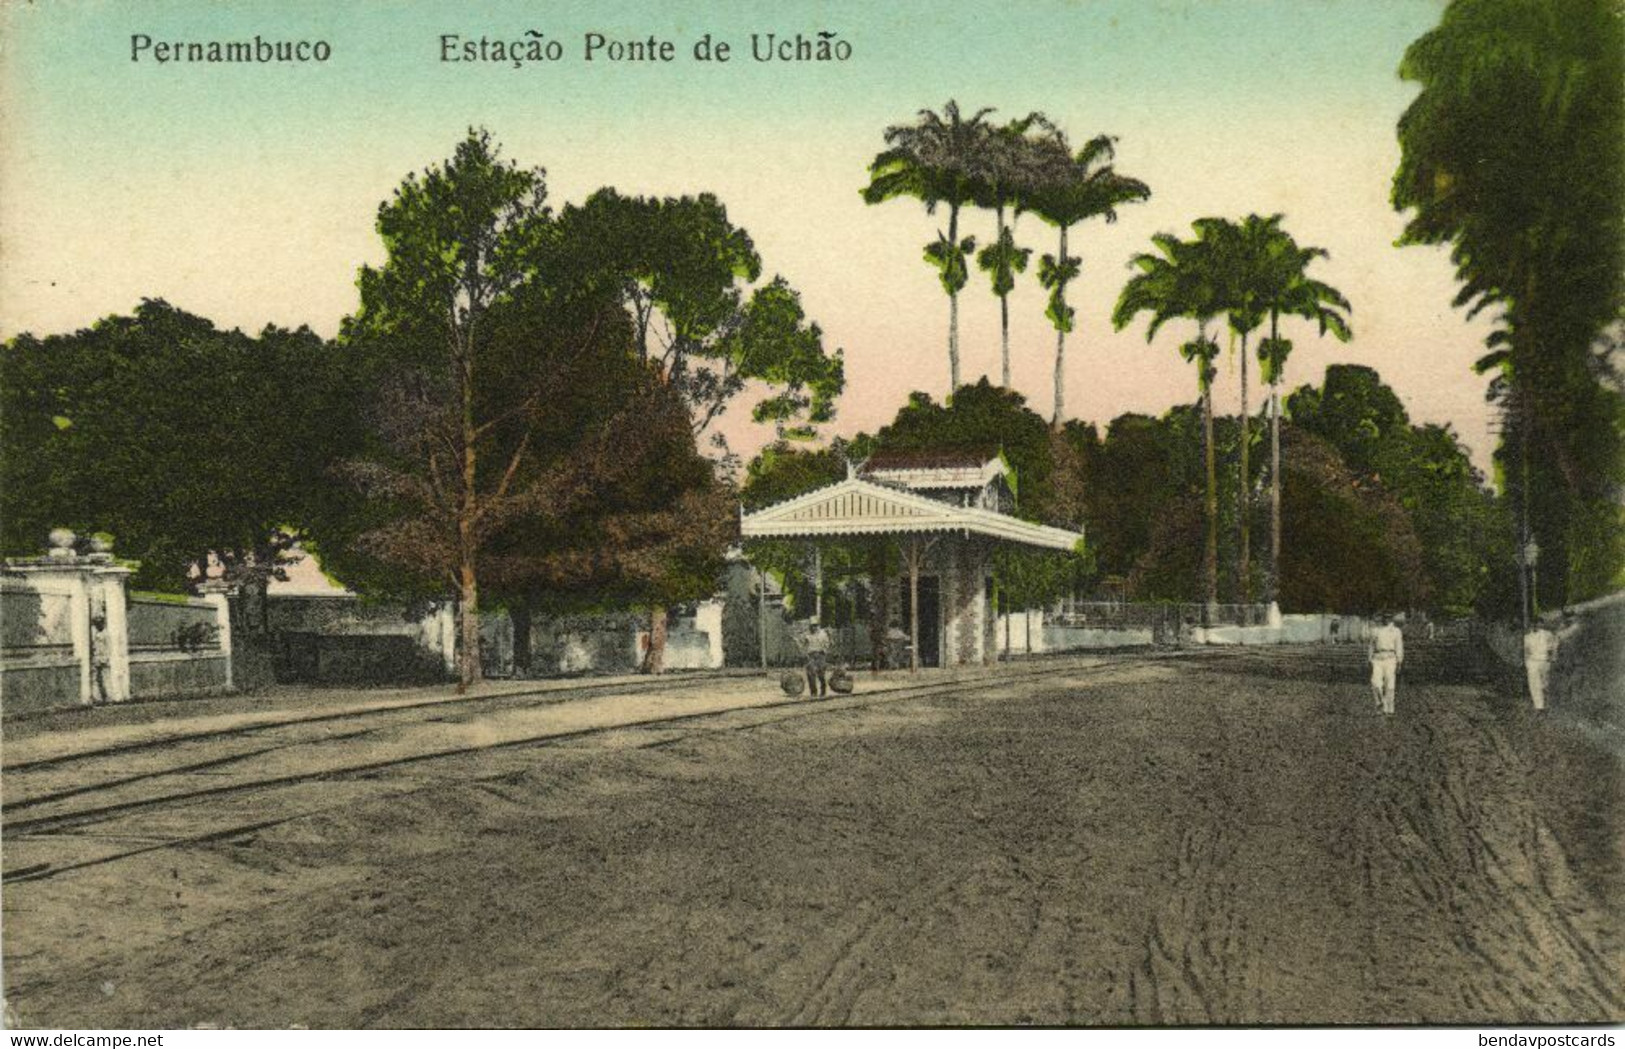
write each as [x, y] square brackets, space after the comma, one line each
[1234, 839]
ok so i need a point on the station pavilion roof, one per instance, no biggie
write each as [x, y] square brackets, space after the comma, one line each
[934, 470]
[860, 507]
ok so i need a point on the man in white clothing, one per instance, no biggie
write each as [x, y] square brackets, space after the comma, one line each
[1386, 650]
[1539, 652]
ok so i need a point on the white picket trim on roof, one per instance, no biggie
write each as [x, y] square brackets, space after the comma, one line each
[858, 507]
[939, 476]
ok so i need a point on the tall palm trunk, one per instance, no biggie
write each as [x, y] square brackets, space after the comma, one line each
[1274, 581]
[1210, 548]
[1060, 342]
[1244, 567]
[1004, 333]
[1004, 304]
[953, 307]
[1275, 494]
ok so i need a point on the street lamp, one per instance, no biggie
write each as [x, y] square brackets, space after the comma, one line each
[1531, 557]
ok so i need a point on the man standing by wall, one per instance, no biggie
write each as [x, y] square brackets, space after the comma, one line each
[1386, 650]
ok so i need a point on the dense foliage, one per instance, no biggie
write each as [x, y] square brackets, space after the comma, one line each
[511, 413]
[1512, 154]
[196, 449]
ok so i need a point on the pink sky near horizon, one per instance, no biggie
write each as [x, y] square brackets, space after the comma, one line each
[250, 198]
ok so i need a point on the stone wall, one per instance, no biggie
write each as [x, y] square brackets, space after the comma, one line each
[167, 675]
[1588, 676]
[340, 639]
[28, 689]
[76, 636]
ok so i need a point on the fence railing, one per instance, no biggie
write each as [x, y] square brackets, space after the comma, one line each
[1128, 614]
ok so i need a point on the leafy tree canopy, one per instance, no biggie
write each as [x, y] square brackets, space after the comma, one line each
[519, 442]
[1466, 538]
[1512, 154]
[982, 418]
[688, 279]
[181, 440]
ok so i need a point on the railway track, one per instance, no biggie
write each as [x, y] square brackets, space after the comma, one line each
[405, 711]
[259, 765]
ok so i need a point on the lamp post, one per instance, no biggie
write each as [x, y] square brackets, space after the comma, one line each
[1531, 558]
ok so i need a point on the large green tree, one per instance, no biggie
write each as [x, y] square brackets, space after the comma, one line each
[690, 281]
[460, 241]
[939, 160]
[1512, 154]
[1464, 536]
[199, 450]
[1074, 188]
[1356, 548]
[1360, 550]
[525, 441]
[686, 277]
[1129, 476]
[987, 419]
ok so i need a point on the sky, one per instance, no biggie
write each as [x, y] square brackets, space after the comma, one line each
[247, 193]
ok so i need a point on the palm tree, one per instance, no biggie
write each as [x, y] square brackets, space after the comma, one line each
[1075, 188]
[1182, 283]
[1241, 255]
[939, 159]
[1290, 291]
[1012, 165]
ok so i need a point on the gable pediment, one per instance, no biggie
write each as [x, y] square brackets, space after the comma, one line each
[855, 502]
[859, 507]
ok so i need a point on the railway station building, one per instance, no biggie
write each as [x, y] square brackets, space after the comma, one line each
[940, 517]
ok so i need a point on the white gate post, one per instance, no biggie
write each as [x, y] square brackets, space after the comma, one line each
[113, 583]
[219, 595]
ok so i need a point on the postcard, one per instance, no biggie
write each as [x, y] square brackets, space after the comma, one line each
[1089, 513]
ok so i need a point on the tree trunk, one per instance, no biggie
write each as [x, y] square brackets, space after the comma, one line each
[1244, 587]
[1060, 341]
[1060, 353]
[519, 616]
[914, 607]
[1004, 608]
[1274, 492]
[1529, 596]
[878, 605]
[1274, 579]
[1004, 336]
[469, 670]
[1004, 304]
[761, 615]
[953, 307]
[1210, 548]
[655, 659]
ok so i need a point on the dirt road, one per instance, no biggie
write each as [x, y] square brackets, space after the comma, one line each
[1234, 839]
